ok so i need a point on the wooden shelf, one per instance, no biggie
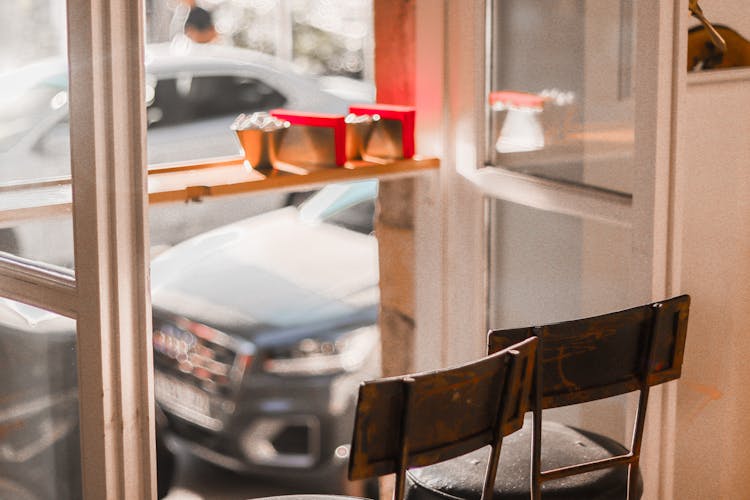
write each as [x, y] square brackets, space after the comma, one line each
[193, 182]
[228, 177]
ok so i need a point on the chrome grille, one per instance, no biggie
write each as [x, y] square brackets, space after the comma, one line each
[191, 358]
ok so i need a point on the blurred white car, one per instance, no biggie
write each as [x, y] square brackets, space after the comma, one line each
[193, 94]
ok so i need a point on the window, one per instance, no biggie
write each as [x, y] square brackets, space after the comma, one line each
[192, 98]
[34, 142]
[55, 143]
[189, 116]
[64, 396]
[40, 451]
[31, 105]
[562, 110]
[560, 97]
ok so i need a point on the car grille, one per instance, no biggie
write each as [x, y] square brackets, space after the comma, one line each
[199, 370]
[293, 440]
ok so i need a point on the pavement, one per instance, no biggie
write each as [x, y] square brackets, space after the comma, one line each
[199, 480]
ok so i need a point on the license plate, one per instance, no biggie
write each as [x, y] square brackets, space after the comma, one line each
[176, 394]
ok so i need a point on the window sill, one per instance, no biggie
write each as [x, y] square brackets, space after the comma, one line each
[193, 182]
[230, 176]
[718, 76]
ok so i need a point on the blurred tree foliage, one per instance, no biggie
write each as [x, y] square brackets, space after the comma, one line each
[323, 37]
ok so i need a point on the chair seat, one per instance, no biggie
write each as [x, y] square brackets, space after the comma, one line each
[310, 497]
[463, 477]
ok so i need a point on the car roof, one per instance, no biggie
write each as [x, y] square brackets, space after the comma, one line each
[165, 59]
[188, 56]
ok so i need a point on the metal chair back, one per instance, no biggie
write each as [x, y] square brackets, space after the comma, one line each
[417, 420]
[599, 357]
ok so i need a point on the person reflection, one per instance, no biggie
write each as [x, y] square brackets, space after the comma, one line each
[192, 23]
[199, 26]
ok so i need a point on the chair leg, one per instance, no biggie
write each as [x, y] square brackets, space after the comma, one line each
[400, 489]
[536, 453]
[632, 480]
[491, 473]
[536, 431]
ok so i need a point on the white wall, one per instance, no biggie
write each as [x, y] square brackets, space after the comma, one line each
[712, 457]
[733, 13]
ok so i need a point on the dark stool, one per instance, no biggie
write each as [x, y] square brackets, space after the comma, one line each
[310, 497]
[463, 477]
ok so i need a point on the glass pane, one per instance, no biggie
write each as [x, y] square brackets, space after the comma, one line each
[34, 132]
[549, 267]
[561, 95]
[206, 65]
[259, 347]
[39, 426]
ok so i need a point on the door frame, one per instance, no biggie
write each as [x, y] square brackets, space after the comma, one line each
[460, 266]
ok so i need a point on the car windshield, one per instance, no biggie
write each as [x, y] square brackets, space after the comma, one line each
[341, 204]
[27, 98]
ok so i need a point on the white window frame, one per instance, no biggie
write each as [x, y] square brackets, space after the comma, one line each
[452, 258]
[451, 237]
[109, 297]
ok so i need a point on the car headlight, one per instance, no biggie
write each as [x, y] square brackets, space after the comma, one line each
[310, 356]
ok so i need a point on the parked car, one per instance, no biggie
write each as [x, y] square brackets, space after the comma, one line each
[263, 330]
[193, 93]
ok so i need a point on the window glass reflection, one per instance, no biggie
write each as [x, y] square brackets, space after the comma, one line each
[34, 133]
[561, 90]
[39, 427]
[258, 347]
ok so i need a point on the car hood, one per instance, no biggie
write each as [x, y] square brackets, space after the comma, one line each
[270, 273]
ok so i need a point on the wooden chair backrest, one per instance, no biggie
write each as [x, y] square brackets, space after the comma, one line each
[418, 420]
[594, 358]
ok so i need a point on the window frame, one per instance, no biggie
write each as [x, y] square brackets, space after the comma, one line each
[109, 295]
[107, 116]
[653, 212]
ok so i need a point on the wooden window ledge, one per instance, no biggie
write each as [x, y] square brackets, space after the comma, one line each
[195, 181]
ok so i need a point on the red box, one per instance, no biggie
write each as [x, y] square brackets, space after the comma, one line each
[403, 115]
[335, 122]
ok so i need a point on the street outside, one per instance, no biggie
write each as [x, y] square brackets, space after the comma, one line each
[199, 480]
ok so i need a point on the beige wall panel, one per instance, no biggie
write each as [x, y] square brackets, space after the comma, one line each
[713, 413]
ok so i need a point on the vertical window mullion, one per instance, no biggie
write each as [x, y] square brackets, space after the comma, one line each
[109, 207]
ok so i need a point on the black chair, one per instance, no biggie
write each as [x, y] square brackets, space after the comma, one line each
[577, 361]
[422, 419]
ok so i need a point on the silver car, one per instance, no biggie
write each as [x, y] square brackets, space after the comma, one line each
[193, 94]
